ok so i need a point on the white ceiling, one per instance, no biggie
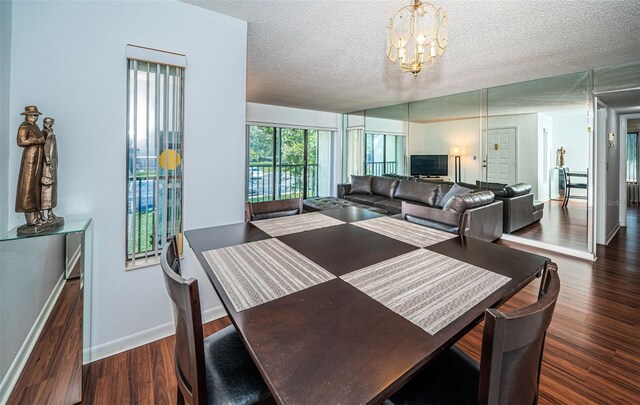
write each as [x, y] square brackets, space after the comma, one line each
[624, 102]
[330, 55]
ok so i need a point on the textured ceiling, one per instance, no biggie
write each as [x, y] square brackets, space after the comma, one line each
[330, 55]
[623, 101]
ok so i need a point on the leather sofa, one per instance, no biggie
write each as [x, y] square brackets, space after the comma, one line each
[519, 207]
[477, 215]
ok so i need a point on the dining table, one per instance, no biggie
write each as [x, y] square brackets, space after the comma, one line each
[345, 306]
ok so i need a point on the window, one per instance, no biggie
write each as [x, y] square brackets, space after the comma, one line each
[632, 157]
[155, 100]
[384, 154]
[287, 163]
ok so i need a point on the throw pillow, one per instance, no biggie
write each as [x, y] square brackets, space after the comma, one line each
[453, 191]
[360, 185]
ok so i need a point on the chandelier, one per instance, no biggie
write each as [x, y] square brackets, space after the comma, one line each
[416, 35]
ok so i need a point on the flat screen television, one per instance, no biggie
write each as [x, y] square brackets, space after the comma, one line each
[429, 165]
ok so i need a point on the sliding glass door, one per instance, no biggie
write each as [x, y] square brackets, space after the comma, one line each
[384, 154]
[283, 163]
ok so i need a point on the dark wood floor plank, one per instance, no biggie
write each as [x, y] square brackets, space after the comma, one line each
[54, 366]
[560, 226]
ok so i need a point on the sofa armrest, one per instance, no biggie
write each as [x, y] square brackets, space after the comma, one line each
[431, 214]
[518, 212]
[343, 189]
[484, 222]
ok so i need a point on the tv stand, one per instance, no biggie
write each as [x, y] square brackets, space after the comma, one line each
[433, 178]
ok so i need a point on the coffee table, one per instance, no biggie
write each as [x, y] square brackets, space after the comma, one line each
[314, 204]
[334, 343]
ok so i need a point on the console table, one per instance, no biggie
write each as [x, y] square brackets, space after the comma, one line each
[45, 300]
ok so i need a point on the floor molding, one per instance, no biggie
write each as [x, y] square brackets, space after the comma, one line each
[613, 233]
[580, 254]
[13, 373]
[147, 336]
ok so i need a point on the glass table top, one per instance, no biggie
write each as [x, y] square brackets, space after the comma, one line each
[70, 226]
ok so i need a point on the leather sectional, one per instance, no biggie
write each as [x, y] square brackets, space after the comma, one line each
[519, 207]
[473, 214]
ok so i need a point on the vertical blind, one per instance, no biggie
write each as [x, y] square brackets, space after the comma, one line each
[155, 95]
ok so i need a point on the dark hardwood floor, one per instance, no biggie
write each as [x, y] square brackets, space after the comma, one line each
[144, 375]
[592, 349]
[52, 372]
[560, 226]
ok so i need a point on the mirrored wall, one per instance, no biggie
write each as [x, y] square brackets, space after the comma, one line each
[535, 132]
[538, 133]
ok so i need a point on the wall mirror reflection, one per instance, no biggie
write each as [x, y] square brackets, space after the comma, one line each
[385, 132]
[449, 127]
[537, 140]
[548, 149]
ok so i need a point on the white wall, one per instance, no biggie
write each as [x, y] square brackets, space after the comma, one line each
[292, 117]
[5, 64]
[385, 126]
[613, 174]
[545, 125]
[601, 174]
[436, 138]
[69, 59]
[570, 132]
[527, 141]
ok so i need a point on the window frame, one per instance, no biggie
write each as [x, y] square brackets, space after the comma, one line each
[167, 110]
[276, 166]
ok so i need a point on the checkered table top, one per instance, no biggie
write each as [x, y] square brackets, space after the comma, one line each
[258, 272]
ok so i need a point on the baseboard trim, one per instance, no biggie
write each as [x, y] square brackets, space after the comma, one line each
[74, 259]
[13, 373]
[138, 339]
[580, 254]
[613, 233]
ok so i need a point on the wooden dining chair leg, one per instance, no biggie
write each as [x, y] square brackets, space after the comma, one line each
[180, 397]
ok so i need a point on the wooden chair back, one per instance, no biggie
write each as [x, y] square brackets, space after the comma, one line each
[513, 345]
[173, 257]
[189, 348]
[277, 208]
[567, 176]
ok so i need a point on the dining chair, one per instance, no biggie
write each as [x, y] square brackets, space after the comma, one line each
[215, 370]
[509, 369]
[568, 185]
[272, 209]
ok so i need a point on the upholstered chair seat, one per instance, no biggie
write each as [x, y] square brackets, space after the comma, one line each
[452, 378]
[232, 378]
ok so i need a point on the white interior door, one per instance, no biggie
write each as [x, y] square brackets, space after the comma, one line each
[502, 155]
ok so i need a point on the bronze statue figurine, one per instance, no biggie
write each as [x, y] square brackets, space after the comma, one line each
[29, 198]
[560, 157]
[49, 194]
